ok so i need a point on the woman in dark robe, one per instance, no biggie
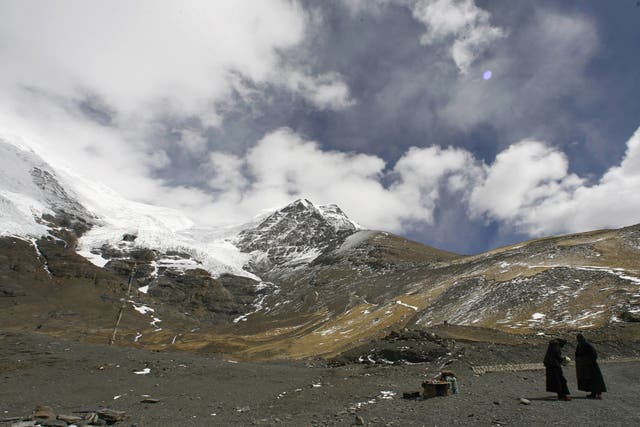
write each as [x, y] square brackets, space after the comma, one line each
[587, 369]
[553, 362]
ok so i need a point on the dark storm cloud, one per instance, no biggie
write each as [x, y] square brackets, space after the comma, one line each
[397, 83]
[549, 82]
[404, 89]
[410, 95]
[326, 100]
[94, 108]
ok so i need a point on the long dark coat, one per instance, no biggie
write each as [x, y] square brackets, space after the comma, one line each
[587, 369]
[556, 382]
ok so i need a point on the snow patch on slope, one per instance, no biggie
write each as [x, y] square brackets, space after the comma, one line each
[159, 228]
[20, 198]
[355, 240]
[337, 218]
[18, 215]
[30, 188]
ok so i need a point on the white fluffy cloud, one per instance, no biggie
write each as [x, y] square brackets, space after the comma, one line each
[91, 83]
[325, 91]
[182, 54]
[459, 23]
[612, 202]
[137, 64]
[426, 172]
[520, 176]
[135, 55]
[284, 166]
[529, 187]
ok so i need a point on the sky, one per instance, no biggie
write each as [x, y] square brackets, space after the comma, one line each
[462, 124]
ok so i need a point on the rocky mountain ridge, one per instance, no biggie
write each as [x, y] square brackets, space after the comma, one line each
[213, 273]
[303, 281]
[295, 235]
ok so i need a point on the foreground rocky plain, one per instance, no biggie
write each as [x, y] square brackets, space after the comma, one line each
[337, 343]
[299, 317]
[201, 390]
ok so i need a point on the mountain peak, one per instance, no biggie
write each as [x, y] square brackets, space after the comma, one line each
[331, 213]
[299, 232]
[304, 203]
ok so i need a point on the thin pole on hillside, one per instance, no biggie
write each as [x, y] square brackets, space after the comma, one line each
[124, 303]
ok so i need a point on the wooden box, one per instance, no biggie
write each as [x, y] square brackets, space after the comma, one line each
[435, 388]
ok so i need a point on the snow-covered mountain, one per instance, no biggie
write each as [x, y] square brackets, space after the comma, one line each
[300, 281]
[216, 272]
[30, 190]
[36, 199]
[296, 234]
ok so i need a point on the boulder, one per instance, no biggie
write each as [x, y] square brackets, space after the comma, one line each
[628, 316]
[111, 416]
[70, 419]
[53, 423]
[43, 412]
[30, 423]
[129, 237]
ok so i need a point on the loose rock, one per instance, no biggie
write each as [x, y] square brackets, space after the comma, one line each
[23, 424]
[69, 419]
[111, 416]
[91, 417]
[44, 412]
[53, 423]
[411, 395]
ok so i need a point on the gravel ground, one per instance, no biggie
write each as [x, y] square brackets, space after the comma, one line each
[196, 390]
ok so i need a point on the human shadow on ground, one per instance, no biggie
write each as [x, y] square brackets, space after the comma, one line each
[544, 398]
[555, 398]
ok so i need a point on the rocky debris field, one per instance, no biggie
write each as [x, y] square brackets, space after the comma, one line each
[146, 388]
[46, 416]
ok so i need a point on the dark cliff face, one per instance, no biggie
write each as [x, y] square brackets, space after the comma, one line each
[55, 195]
[45, 286]
[176, 279]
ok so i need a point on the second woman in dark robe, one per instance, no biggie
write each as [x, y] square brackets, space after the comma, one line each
[587, 369]
[553, 362]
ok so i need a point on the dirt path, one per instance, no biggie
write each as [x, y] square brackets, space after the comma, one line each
[522, 367]
[198, 390]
